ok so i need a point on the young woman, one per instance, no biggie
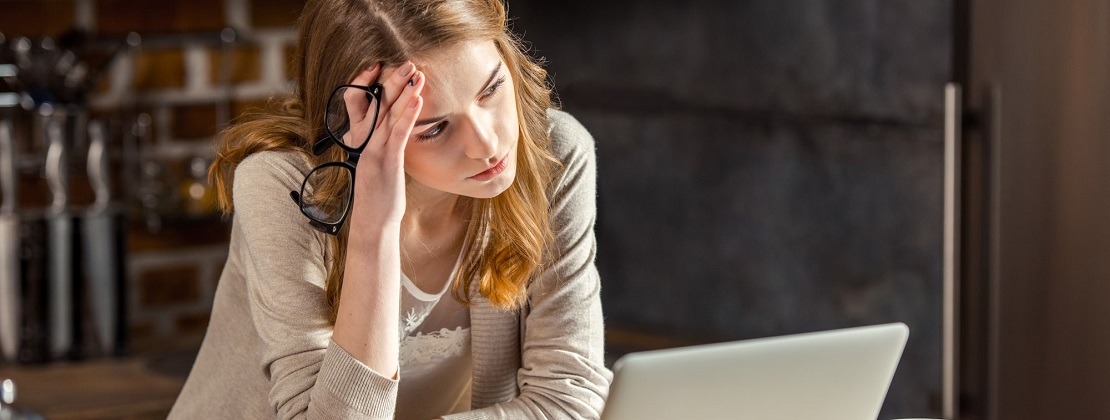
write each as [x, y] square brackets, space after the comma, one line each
[418, 155]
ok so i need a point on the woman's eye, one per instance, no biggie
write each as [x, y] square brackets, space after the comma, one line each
[433, 132]
[493, 88]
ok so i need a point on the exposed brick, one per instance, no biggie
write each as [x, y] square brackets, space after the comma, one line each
[191, 323]
[193, 121]
[178, 234]
[160, 69]
[244, 64]
[238, 108]
[275, 13]
[34, 18]
[169, 285]
[162, 184]
[151, 110]
[141, 330]
[162, 16]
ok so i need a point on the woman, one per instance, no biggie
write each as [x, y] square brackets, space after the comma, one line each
[458, 176]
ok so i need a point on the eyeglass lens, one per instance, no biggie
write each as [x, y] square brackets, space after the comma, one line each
[338, 116]
[322, 204]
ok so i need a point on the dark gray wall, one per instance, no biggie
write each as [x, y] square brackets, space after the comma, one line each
[766, 167]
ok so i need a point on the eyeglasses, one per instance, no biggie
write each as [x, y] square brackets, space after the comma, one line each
[328, 190]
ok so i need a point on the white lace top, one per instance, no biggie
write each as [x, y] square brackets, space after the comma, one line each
[435, 362]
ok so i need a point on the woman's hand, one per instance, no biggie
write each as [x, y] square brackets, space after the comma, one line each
[380, 174]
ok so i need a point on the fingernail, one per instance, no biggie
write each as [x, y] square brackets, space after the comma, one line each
[407, 69]
[414, 102]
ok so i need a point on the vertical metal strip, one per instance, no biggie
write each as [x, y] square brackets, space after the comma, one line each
[952, 162]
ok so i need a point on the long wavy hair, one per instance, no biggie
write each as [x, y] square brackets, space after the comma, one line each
[338, 38]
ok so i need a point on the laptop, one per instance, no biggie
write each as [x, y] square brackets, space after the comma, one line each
[829, 375]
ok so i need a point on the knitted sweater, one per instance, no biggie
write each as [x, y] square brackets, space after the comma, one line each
[268, 350]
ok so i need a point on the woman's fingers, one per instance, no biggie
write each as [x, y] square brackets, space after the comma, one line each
[389, 120]
[410, 93]
[357, 103]
[394, 83]
[399, 136]
[365, 77]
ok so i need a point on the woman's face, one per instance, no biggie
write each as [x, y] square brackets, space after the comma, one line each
[465, 138]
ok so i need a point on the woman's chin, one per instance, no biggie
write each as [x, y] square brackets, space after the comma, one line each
[493, 187]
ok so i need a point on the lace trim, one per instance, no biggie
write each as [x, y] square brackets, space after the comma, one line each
[413, 319]
[437, 345]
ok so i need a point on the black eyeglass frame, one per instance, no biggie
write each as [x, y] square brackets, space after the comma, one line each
[326, 141]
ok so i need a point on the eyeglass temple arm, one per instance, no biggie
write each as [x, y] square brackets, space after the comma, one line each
[323, 143]
[330, 230]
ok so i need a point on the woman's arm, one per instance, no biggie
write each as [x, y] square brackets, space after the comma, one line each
[310, 376]
[366, 325]
[354, 374]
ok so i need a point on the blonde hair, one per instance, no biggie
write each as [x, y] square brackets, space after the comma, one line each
[338, 38]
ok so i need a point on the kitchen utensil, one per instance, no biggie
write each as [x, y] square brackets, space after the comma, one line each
[10, 289]
[99, 235]
[60, 226]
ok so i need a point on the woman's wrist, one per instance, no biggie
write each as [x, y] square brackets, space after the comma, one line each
[367, 233]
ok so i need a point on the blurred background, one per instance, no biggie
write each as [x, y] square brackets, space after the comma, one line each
[765, 168]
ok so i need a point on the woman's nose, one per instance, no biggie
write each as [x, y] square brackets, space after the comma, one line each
[482, 142]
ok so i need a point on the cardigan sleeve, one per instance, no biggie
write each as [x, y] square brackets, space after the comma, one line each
[310, 376]
[563, 373]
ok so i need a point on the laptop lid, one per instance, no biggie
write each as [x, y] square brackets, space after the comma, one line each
[830, 375]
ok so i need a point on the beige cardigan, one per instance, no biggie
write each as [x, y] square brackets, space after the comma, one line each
[268, 350]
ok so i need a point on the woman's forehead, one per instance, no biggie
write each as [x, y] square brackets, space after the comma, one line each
[458, 72]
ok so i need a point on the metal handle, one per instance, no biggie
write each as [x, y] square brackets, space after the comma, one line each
[953, 115]
[55, 163]
[98, 164]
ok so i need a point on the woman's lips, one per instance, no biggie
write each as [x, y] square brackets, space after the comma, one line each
[488, 174]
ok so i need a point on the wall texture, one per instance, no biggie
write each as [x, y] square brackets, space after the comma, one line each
[766, 167]
[187, 88]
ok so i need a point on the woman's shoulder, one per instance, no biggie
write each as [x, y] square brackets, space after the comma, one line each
[263, 180]
[281, 166]
[569, 138]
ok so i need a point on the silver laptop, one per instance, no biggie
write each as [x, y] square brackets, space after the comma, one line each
[830, 375]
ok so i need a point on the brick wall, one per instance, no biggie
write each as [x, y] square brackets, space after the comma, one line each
[187, 84]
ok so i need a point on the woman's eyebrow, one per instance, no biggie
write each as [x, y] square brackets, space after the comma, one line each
[427, 121]
[432, 120]
[492, 74]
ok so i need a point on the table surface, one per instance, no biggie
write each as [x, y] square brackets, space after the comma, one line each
[142, 386]
[110, 388]
[146, 385]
